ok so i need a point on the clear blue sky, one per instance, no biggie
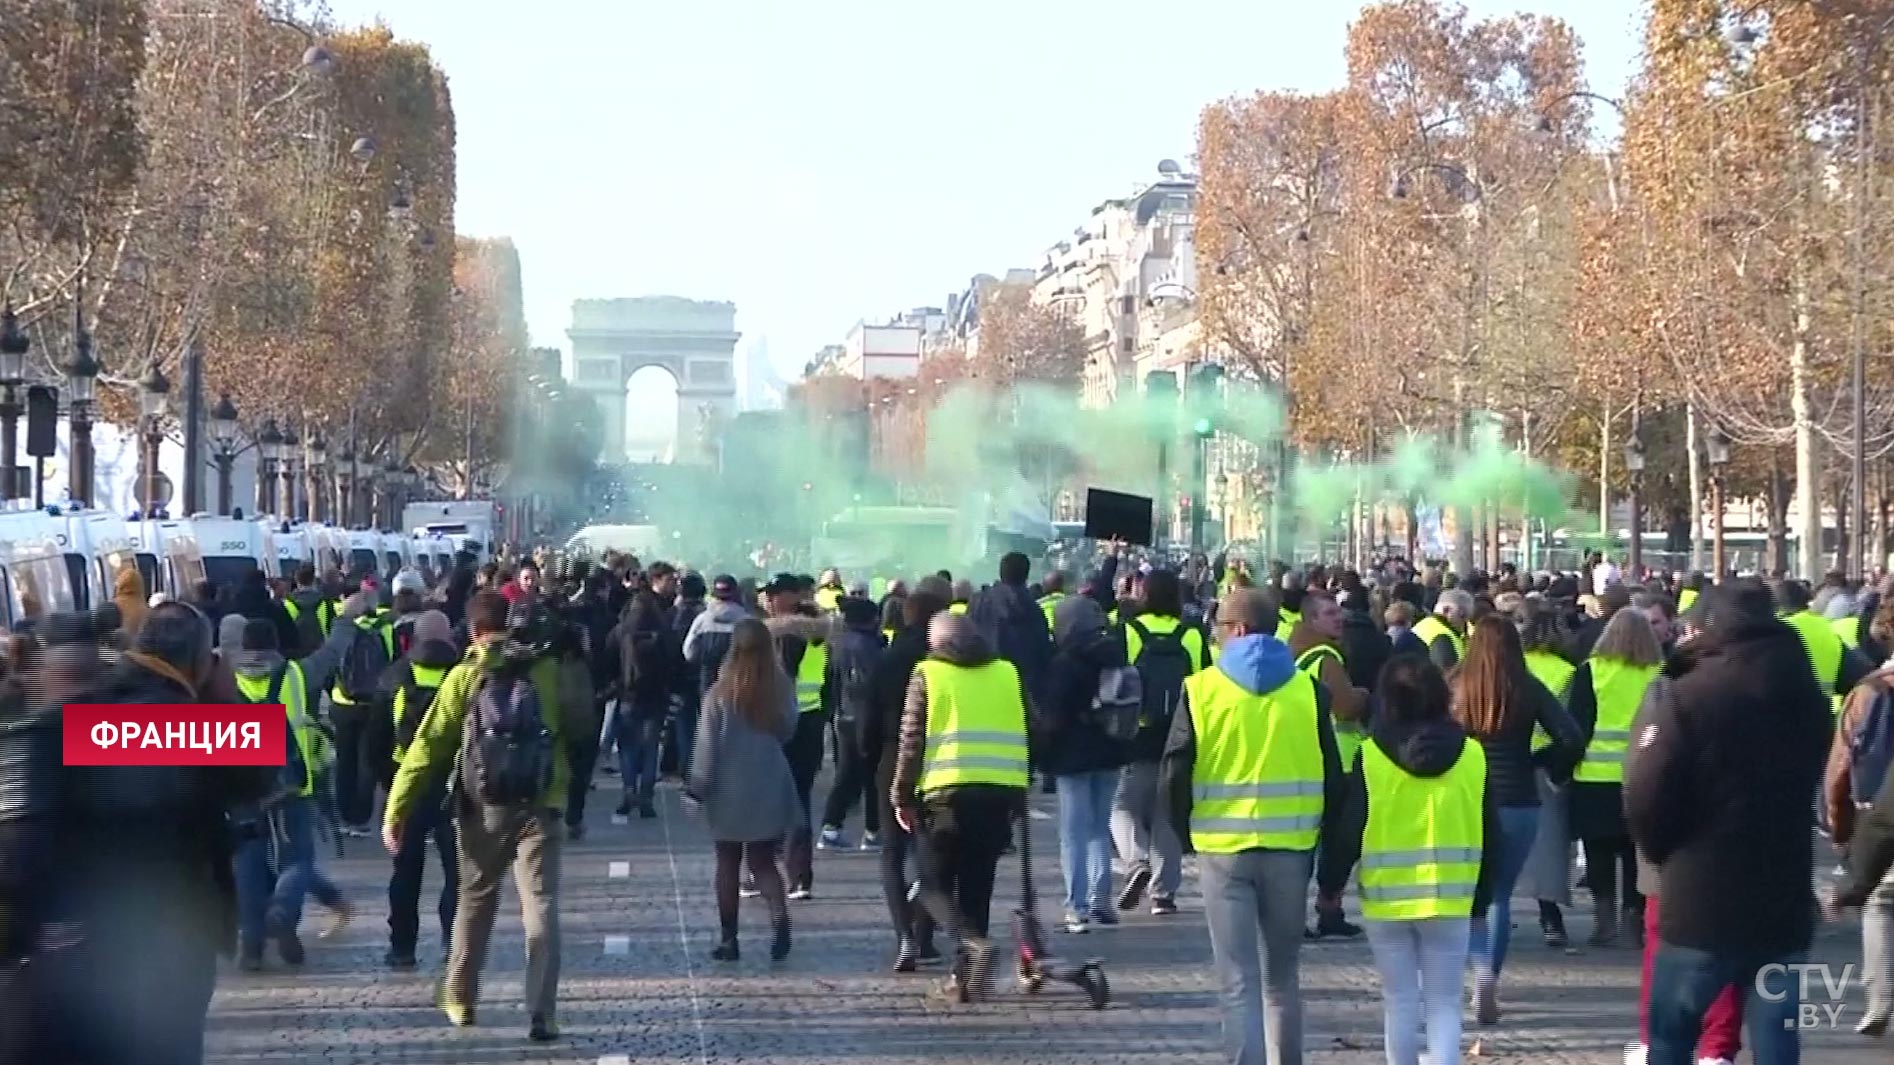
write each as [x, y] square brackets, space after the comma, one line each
[819, 163]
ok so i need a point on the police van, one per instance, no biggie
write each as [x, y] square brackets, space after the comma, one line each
[33, 566]
[168, 555]
[292, 550]
[364, 553]
[98, 547]
[232, 548]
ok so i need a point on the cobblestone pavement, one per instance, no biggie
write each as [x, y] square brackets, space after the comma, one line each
[638, 986]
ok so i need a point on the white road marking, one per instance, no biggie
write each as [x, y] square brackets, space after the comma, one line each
[618, 944]
[684, 938]
[618, 870]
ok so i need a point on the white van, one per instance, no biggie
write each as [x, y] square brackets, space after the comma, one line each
[168, 548]
[292, 550]
[232, 547]
[364, 552]
[99, 545]
[394, 553]
[328, 546]
[33, 546]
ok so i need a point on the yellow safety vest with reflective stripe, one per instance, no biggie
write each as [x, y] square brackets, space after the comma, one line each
[1823, 646]
[1286, 622]
[1431, 628]
[429, 677]
[1618, 688]
[368, 623]
[1048, 603]
[826, 598]
[289, 607]
[326, 612]
[956, 608]
[1555, 673]
[1257, 780]
[1848, 630]
[1159, 625]
[809, 674]
[1421, 847]
[310, 742]
[1686, 599]
[976, 726]
[1347, 733]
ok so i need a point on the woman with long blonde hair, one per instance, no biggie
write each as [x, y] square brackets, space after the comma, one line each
[740, 776]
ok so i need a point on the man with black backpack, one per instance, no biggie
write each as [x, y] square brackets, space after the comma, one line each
[352, 704]
[847, 692]
[407, 690]
[1165, 652]
[494, 732]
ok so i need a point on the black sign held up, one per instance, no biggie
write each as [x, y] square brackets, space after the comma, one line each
[1119, 514]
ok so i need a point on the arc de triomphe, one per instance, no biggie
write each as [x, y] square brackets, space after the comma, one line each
[693, 340]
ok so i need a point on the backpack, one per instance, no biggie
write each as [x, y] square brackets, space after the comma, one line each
[419, 699]
[508, 750]
[1118, 704]
[359, 678]
[1163, 664]
[1871, 749]
[854, 682]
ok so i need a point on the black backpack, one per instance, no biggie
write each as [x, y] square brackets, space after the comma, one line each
[367, 659]
[855, 670]
[1163, 664]
[507, 750]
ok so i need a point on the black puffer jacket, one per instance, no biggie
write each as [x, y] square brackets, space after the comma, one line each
[1365, 648]
[1014, 625]
[649, 654]
[1065, 737]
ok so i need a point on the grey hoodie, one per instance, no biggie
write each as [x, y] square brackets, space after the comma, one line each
[952, 639]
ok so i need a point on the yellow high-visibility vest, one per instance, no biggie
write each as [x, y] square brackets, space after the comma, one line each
[976, 726]
[1286, 622]
[1618, 688]
[1686, 599]
[1823, 646]
[295, 612]
[1257, 781]
[326, 612]
[1431, 628]
[428, 677]
[1048, 603]
[815, 665]
[1348, 734]
[1159, 625]
[310, 742]
[1848, 630]
[1421, 847]
[826, 598]
[956, 608]
[1553, 671]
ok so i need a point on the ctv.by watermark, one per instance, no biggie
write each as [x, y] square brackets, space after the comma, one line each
[1821, 988]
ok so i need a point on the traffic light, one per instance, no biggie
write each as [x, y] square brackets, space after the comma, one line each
[1203, 427]
[1205, 399]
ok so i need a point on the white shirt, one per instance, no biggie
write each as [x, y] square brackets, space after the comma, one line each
[1604, 576]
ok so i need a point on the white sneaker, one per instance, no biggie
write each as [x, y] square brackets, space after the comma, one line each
[1076, 924]
[1634, 1053]
[1715, 1061]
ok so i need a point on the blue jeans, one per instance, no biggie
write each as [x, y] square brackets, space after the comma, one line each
[1420, 962]
[639, 731]
[273, 895]
[1085, 838]
[1684, 981]
[1518, 827]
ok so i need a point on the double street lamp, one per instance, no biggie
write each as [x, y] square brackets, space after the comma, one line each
[223, 434]
[154, 398]
[315, 463]
[290, 467]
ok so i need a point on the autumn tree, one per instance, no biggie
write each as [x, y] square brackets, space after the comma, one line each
[1021, 341]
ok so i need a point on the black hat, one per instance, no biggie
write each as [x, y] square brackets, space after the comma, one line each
[259, 634]
[782, 584]
[724, 588]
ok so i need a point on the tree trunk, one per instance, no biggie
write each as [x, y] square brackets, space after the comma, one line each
[1696, 488]
[1844, 533]
[1604, 474]
[1808, 497]
[1877, 544]
[1778, 562]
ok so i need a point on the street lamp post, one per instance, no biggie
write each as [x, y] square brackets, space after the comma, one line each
[290, 465]
[1634, 464]
[315, 461]
[1718, 445]
[154, 396]
[82, 374]
[269, 450]
[344, 487]
[223, 433]
[13, 348]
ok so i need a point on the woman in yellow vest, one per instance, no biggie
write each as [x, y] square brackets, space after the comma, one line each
[1427, 857]
[1548, 873]
[1502, 705]
[1606, 692]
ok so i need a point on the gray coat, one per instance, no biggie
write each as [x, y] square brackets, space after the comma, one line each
[741, 774]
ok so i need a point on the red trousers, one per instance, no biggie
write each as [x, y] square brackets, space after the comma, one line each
[1722, 1026]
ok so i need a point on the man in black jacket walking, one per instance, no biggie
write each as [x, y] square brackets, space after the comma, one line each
[649, 667]
[1716, 793]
